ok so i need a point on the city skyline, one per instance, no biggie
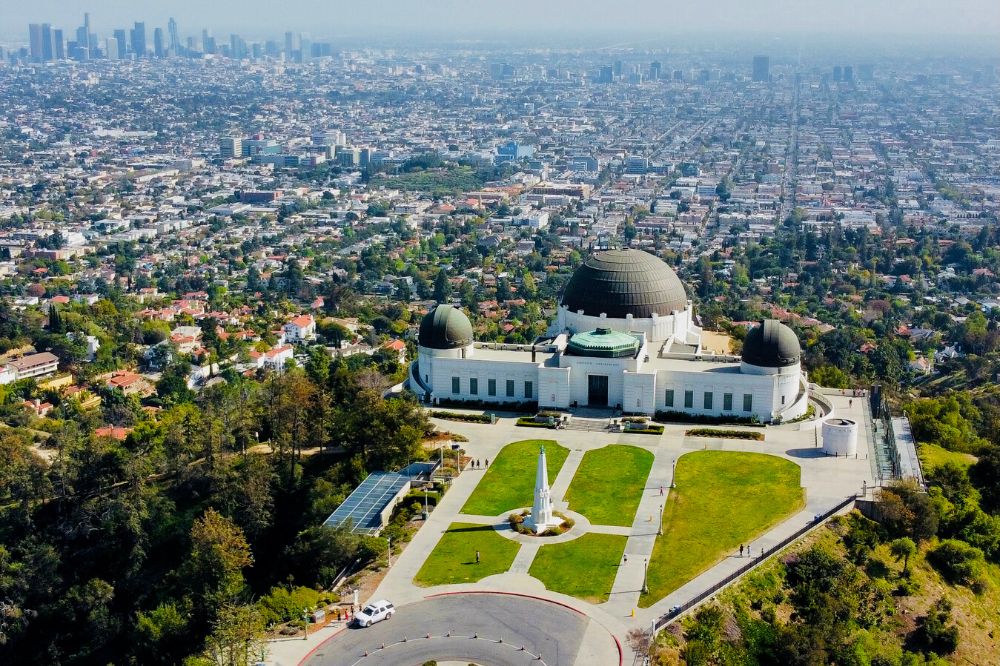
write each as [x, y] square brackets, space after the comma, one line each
[770, 17]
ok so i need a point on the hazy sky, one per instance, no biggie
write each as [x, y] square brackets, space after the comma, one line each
[479, 17]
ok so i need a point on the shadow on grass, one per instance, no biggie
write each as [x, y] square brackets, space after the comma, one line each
[477, 528]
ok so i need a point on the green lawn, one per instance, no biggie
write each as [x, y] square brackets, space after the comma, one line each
[584, 568]
[509, 483]
[722, 499]
[453, 559]
[932, 455]
[608, 484]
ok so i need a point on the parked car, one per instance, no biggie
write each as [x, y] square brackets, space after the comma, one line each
[376, 611]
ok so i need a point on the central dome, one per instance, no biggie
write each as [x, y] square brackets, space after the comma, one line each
[624, 282]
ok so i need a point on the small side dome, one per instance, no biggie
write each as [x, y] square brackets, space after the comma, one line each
[771, 345]
[445, 327]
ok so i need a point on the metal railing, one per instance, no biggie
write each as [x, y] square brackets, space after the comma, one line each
[677, 611]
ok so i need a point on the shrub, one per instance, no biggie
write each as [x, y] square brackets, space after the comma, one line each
[936, 632]
[684, 417]
[284, 605]
[730, 434]
[515, 406]
[466, 418]
[530, 422]
[959, 563]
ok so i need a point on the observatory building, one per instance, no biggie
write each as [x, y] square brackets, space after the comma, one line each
[623, 337]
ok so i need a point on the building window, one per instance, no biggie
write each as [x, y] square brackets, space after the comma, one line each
[456, 385]
[491, 387]
[510, 388]
[748, 402]
[668, 400]
[474, 386]
[688, 399]
[727, 402]
[529, 390]
[782, 399]
[708, 400]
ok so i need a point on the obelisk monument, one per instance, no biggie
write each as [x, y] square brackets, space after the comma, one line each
[541, 511]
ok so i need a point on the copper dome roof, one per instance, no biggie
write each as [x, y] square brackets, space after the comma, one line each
[624, 282]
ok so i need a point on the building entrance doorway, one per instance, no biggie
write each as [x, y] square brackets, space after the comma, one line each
[597, 390]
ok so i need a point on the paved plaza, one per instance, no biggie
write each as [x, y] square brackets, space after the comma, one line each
[827, 482]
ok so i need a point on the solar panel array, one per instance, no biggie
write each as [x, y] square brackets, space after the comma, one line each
[364, 506]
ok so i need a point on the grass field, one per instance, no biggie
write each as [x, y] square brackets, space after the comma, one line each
[722, 499]
[453, 559]
[584, 568]
[509, 483]
[932, 455]
[608, 484]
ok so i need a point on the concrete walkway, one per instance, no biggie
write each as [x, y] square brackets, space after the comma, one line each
[628, 583]
[827, 482]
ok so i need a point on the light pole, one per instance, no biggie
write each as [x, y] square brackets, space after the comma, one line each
[305, 624]
[645, 571]
[673, 474]
[659, 528]
[425, 503]
[388, 552]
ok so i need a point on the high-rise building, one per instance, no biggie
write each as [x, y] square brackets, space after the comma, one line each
[122, 44]
[207, 42]
[837, 74]
[35, 42]
[848, 73]
[618, 67]
[58, 45]
[237, 47]
[48, 43]
[175, 40]
[159, 48]
[111, 48]
[290, 45]
[230, 147]
[655, 69]
[761, 68]
[139, 39]
[606, 74]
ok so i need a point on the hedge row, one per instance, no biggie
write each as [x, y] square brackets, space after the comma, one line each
[467, 418]
[684, 417]
[730, 434]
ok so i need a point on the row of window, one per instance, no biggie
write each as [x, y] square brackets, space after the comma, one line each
[491, 387]
[708, 400]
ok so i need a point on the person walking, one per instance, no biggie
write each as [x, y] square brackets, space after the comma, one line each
[487, 462]
[741, 550]
[477, 557]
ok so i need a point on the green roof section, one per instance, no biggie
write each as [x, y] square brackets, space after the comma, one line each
[603, 343]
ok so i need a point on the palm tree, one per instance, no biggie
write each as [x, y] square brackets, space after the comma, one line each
[903, 549]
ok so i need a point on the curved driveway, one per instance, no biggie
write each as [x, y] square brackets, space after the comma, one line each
[544, 629]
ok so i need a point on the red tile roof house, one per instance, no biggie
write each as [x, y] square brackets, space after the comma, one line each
[114, 432]
[301, 328]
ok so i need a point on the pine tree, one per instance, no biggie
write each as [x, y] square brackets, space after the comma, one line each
[55, 319]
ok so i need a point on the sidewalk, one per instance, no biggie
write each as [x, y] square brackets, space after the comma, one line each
[292, 651]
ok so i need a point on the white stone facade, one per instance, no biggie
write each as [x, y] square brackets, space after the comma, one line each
[635, 384]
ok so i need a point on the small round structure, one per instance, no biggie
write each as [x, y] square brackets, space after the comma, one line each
[445, 327]
[840, 437]
[603, 343]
